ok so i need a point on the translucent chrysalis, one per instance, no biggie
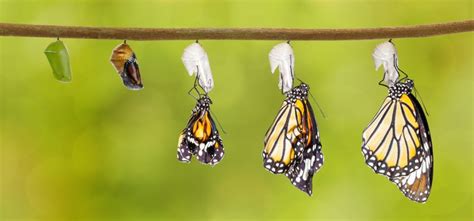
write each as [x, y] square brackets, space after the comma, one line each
[281, 56]
[385, 54]
[125, 63]
[58, 58]
[195, 61]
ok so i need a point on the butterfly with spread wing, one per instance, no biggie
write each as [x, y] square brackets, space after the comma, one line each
[292, 144]
[200, 137]
[397, 142]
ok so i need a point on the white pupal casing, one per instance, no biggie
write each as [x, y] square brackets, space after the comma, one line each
[196, 62]
[386, 54]
[281, 56]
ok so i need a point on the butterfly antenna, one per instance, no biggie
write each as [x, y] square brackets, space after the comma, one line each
[421, 99]
[317, 104]
[218, 122]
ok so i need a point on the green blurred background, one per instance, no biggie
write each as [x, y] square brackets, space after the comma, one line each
[93, 150]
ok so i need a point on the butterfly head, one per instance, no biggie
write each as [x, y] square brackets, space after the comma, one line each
[304, 88]
[203, 104]
[410, 84]
[401, 88]
[299, 92]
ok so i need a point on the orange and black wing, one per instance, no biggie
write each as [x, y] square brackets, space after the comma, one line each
[397, 144]
[201, 137]
[291, 144]
[310, 157]
[417, 185]
[278, 152]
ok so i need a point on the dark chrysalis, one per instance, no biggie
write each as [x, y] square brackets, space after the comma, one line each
[58, 58]
[125, 62]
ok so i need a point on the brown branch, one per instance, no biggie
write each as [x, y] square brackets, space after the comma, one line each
[54, 31]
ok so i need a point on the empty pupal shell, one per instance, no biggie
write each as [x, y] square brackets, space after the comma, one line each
[195, 60]
[385, 54]
[58, 58]
[281, 56]
[125, 62]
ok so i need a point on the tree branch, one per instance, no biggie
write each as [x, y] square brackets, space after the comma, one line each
[53, 31]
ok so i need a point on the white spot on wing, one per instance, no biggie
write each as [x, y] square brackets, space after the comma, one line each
[411, 178]
[307, 165]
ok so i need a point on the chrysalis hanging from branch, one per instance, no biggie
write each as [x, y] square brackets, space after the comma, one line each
[200, 137]
[292, 144]
[58, 58]
[385, 54]
[125, 62]
[281, 56]
[397, 142]
[195, 61]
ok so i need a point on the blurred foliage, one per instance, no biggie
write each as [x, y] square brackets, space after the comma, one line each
[93, 150]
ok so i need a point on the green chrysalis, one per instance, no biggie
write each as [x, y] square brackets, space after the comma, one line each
[58, 58]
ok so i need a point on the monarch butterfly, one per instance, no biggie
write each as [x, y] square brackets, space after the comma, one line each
[292, 144]
[200, 137]
[397, 143]
[125, 62]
